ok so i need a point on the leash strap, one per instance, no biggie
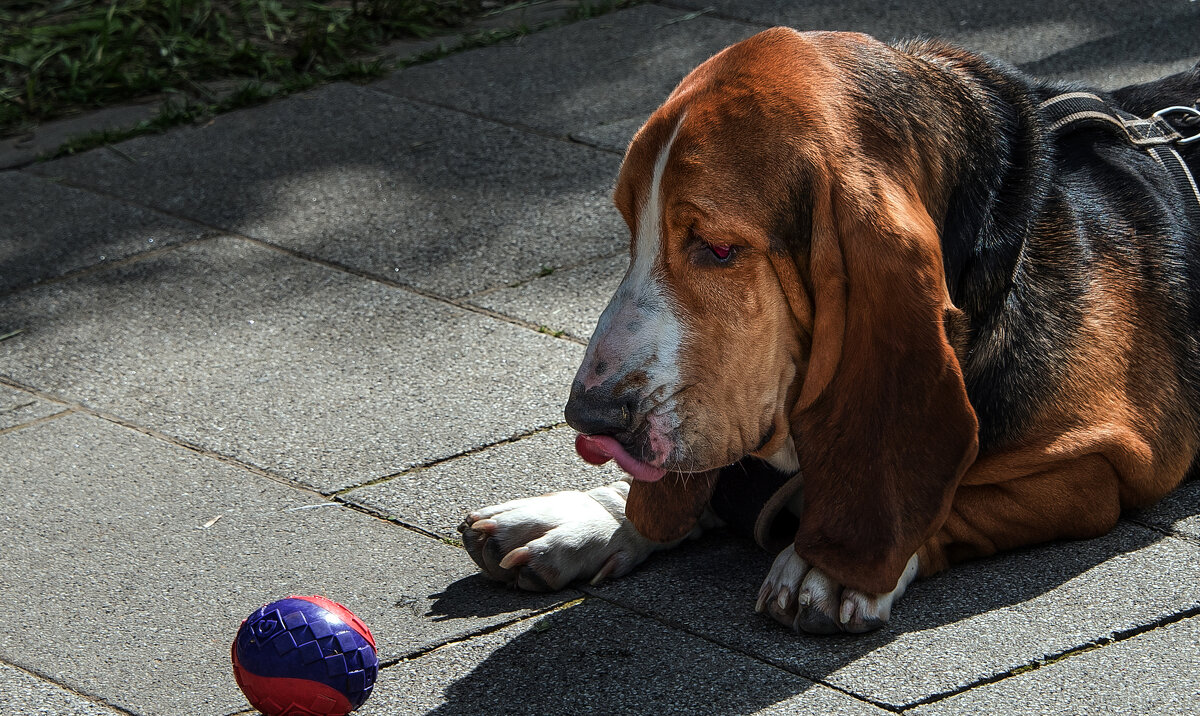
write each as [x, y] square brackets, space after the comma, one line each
[1068, 112]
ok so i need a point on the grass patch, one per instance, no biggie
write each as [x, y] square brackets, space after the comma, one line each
[62, 56]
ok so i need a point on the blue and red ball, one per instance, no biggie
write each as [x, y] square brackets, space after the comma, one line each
[305, 656]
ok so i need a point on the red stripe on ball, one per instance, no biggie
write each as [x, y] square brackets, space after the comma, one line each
[275, 696]
[342, 613]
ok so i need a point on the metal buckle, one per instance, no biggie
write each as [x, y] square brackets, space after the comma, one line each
[1191, 117]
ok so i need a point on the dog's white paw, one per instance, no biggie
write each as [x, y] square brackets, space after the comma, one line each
[803, 597]
[545, 543]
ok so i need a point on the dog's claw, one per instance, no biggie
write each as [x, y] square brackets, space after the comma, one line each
[847, 611]
[485, 526]
[820, 604]
[764, 596]
[783, 599]
[515, 558]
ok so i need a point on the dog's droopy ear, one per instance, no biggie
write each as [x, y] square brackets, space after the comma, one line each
[883, 426]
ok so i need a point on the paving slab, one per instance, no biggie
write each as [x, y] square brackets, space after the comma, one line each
[569, 300]
[613, 136]
[47, 230]
[1108, 43]
[1177, 512]
[969, 624]
[1140, 51]
[25, 148]
[437, 498]
[130, 562]
[1157, 672]
[417, 194]
[569, 80]
[18, 408]
[321, 376]
[23, 694]
[593, 658]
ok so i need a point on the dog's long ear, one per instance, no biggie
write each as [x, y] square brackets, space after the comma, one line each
[883, 426]
[668, 509]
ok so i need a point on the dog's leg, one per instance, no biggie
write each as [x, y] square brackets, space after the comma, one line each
[1029, 502]
[545, 543]
[805, 598]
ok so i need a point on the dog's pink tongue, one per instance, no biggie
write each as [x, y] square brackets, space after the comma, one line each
[599, 449]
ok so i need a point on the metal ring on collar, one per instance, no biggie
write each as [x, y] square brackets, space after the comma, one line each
[1191, 116]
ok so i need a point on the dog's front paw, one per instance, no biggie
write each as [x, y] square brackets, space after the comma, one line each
[806, 599]
[544, 543]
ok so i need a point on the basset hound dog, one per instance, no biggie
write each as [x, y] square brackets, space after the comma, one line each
[889, 307]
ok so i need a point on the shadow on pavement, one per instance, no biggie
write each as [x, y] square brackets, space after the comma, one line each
[966, 625]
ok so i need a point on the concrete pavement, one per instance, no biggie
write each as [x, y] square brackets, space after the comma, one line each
[285, 351]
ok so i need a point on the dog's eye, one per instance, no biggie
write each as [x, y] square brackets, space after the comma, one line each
[706, 251]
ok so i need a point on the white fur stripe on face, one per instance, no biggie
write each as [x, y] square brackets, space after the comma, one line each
[639, 281]
[650, 222]
[639, 329]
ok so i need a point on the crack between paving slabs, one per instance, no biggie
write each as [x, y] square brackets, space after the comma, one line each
[439, 460]
[1114, 638]
[540, 275]
[542, 328]
[709, 12]
[80, 408]
[461, 304]
[35, 421]
[81, 694]
[490, 629]
[755, 657]
[115, 263]
[332, 498]
[524, 128]
[1166, 531]
[383, 517]
[412, 656]
[340, 495]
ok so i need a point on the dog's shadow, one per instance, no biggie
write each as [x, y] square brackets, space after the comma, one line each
[680, 635]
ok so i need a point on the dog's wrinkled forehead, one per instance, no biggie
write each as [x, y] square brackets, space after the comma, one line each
[736, 138]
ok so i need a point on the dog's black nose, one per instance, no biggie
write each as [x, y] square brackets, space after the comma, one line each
[598, 411]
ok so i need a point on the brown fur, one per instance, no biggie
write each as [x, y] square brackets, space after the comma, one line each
[847, 340]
